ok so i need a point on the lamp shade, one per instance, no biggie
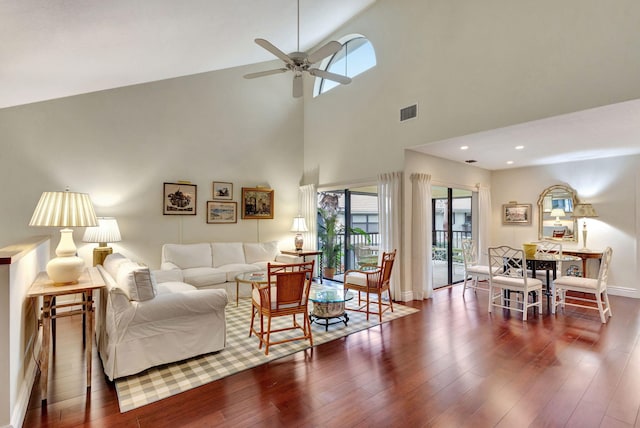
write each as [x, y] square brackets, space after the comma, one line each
[106, 231]
[584, 211]
[299, 225]
[557, 212]
[64, 209]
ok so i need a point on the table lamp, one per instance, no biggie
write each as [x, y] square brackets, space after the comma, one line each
[64, 209]
[584, 211]
[299, 225]
[557, 213]
[106, 231]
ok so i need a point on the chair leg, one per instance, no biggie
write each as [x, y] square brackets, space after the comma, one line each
[390, 301]
[368, 307]
[253, 315]
[606, 300]
[266, 345]
[553, 298]
[600, 310]
[380, 306]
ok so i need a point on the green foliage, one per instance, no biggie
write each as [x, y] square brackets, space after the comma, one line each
[328, 231]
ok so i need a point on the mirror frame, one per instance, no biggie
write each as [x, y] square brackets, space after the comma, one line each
[545, 193]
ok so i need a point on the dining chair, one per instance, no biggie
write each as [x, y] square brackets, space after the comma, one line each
[369, 282]
[589, 286]
[548, 248]
[286, 293]
[473, 270]
[508, 273]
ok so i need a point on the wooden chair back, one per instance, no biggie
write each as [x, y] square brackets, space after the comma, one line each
[290, 283]
[384, 274]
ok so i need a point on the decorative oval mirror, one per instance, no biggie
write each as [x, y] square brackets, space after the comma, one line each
[555, 210]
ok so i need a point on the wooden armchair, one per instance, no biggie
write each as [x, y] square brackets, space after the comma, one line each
[285, 294]
[372, 282]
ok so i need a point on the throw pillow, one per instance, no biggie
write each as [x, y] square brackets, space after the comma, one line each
[138, 281]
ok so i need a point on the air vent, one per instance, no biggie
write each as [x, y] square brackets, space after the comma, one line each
[408, 112]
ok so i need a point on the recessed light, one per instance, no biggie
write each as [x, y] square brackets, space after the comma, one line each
[509, 162]
[464, 147]
[519, 147]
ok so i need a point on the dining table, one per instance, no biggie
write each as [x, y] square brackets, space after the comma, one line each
[549, 263]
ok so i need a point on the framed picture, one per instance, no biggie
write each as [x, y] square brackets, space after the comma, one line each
[516, 214]
[257, 203]
[179, 199]
[222, 212]
[222, 191]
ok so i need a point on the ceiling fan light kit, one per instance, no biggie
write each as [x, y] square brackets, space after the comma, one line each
[301, 62]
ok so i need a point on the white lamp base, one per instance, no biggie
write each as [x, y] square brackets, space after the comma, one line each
[65, 270]
[298, 242]
[67, 267]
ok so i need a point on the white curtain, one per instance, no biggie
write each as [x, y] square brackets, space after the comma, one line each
[390, 211]
[421, 239]
[484, 223]
[309, 209]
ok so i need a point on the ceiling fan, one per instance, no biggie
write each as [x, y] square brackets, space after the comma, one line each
[300, 62]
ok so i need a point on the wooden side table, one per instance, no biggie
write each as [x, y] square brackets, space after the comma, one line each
[42, 286]
[584, 255]
[307, 253]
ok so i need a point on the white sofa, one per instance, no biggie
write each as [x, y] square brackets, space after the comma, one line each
[216, 264]
[145, 318]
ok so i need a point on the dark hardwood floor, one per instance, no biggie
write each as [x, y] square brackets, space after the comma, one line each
[450, 365]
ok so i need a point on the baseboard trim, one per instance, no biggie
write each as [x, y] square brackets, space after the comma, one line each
[623, 291]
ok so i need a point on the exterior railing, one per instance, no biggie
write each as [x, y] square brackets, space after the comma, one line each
[440, 239]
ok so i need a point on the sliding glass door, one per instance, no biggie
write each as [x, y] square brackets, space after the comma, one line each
[452, 222]
[356, 232]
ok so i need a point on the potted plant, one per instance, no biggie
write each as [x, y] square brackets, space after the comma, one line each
[329, 228]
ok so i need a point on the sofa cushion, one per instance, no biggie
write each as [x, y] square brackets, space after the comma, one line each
[187, 256]
[260, 252]
[227, 253]
[112, 262]
[202, 277]
[233, 270]
[137, 281]
[173, 287]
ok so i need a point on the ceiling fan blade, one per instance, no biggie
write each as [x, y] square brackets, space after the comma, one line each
[297, 86]
[331, 76]
[326, 50]
[265, 73]
[274, 50]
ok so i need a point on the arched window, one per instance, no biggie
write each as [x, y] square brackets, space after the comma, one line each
[356, 56]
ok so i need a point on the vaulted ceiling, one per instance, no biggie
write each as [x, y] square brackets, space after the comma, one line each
[57, 48]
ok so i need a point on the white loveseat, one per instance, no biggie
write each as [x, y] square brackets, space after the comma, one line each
[145, 318]
[216, 264]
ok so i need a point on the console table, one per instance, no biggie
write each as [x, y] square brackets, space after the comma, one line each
[307, 253]
[44, 287]
[584, 255]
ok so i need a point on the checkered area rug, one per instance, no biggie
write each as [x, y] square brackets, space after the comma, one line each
[241, 353]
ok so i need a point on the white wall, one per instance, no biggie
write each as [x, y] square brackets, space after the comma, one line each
[611, 185]
[470, 66]
[443, 173]
[121, 145]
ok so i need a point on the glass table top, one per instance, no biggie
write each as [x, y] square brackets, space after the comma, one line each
[324, 293]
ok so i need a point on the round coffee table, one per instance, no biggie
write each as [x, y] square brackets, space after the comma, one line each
[249, 278]
[328, 303]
